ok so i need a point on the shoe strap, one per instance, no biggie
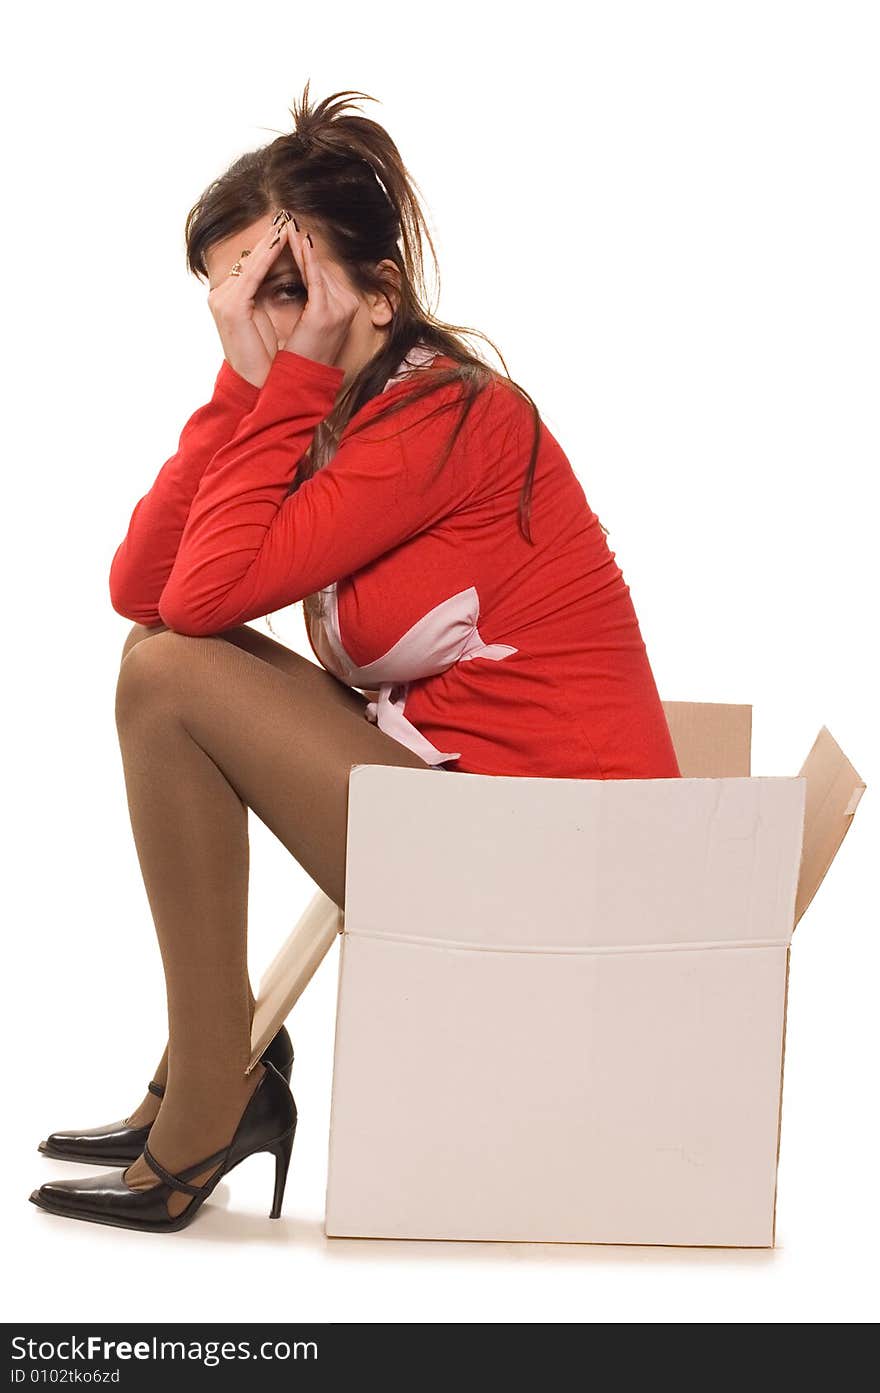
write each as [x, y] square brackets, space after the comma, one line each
[177, 1182]
[158, 1089]
[181, 1181]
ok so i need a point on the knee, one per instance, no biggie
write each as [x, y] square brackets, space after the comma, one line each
[134, 636]
[149, 672]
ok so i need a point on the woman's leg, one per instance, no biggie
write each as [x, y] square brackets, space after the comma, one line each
[208, 728]
[261, 646]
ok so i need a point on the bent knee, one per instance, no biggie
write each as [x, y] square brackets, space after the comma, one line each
[150, 672]
[135, 634]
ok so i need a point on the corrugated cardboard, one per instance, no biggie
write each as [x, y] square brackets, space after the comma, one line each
[562, 1003]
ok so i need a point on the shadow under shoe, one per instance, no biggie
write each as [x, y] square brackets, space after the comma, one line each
[117, 1144]
[268, 1123]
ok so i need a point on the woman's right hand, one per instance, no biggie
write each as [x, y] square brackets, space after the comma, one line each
[246, 332]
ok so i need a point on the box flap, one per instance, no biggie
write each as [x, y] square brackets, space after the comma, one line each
[543, 865]
[292, 968]
[712, 739]
[833, 792]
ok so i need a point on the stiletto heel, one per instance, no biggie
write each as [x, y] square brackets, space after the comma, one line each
[268, 1123]
[282, 1150]
[117, 1144]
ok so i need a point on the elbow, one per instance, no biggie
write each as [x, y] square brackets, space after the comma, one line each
[189, 605]
[127, 603]
[126, 597]
[182, 621]
[120, 599]
[176, 614]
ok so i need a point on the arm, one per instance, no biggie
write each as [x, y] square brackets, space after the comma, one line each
[249, 548]
[142, 562]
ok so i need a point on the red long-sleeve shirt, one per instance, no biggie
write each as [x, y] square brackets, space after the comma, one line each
[509, 658]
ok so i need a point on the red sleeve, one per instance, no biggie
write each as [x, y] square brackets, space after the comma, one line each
[142, 562]
[249, 547]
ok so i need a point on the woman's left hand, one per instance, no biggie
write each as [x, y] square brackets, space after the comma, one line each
[330, 307]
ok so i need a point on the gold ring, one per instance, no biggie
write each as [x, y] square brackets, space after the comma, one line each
[236, 269]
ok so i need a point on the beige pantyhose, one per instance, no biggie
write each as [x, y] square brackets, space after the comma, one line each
[209, 728]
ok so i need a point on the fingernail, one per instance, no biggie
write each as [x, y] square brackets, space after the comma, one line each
[296, 224]
[309, 239]
[275, 240]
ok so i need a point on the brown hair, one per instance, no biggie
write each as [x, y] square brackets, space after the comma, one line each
[345, 175]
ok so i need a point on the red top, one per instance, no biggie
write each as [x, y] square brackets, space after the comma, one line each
[509, 658]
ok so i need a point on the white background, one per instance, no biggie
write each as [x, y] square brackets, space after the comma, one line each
[666, 216]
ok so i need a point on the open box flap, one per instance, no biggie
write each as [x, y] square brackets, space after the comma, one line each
[833, 792]
[292, 969]
[712, 739]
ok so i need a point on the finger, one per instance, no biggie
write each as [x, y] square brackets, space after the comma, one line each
[294, 239]
[313, 270]
[255, 264]
[328, 292]
[334, 286]
[310, 266]
[319, 266]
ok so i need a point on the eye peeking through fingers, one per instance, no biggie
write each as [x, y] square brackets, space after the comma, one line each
[291, 291]
[285, 292]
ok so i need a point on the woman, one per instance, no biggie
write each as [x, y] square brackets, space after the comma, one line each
[459, 595]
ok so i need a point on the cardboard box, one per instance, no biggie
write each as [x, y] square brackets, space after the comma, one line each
[562, 1003]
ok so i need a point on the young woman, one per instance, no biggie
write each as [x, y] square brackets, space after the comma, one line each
[459, 595]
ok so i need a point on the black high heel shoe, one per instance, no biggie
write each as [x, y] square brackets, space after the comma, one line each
[117, 1144]
[268, 1123]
